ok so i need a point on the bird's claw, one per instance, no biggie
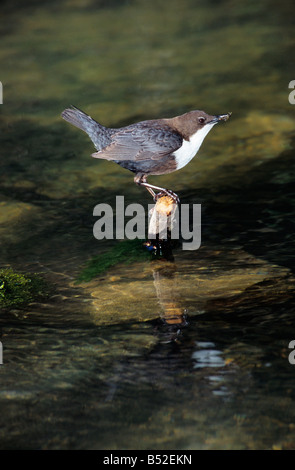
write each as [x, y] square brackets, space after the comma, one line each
[167, 192]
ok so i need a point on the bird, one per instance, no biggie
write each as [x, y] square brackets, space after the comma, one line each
[151, 147]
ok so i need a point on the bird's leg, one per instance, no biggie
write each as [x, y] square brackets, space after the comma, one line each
[141, 180]
[154, 195]
[168, 192]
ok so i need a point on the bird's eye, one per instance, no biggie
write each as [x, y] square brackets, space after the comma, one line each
[202, 120]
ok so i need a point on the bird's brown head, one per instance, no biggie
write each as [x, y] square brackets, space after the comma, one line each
[189, 123]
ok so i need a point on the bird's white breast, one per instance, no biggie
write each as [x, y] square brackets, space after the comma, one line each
[190, 147]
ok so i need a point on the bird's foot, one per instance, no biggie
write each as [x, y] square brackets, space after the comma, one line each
[169, 193]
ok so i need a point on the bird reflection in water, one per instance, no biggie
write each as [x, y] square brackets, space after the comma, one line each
[162, 220]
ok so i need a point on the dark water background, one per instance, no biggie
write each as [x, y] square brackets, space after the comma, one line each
[96, 366]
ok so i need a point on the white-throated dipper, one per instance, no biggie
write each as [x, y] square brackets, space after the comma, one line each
[153, 147]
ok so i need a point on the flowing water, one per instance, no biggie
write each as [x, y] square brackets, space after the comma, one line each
[184, 354]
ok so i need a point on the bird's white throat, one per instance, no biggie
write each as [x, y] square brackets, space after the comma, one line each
[190, 147]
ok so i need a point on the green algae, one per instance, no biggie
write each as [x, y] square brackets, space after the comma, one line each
[127, 251]
[18, 290]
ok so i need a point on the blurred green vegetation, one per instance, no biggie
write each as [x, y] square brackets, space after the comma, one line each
[126, 251]
[18, 290]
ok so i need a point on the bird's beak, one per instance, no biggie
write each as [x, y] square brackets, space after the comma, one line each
[221, 117]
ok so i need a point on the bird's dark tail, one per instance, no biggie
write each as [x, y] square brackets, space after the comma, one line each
[97, 133]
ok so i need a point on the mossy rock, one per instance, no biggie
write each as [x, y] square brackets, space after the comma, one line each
[18, 290]
[126, 251]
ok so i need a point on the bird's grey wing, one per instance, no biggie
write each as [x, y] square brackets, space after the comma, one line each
[141, 142]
